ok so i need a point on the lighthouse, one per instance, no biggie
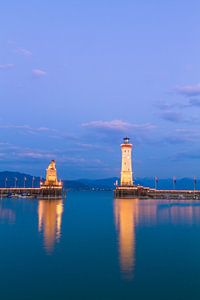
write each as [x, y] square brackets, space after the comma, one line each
[126, 167]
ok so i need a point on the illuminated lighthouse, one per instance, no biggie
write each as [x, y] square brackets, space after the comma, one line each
[126, 168]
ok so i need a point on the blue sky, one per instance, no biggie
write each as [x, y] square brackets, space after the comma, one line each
[77, 76]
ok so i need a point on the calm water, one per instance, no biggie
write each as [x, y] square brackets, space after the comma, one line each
[90, 246]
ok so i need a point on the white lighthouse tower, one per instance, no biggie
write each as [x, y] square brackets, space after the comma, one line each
[126, 168]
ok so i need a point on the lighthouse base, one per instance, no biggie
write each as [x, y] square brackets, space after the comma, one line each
[131, 192]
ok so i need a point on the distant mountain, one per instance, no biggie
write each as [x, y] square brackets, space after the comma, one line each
[167, 183]
[12, 179]
[75, 185]
[8, 179]
[107, 183]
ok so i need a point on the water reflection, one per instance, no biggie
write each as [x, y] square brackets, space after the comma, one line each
[152, 212]
[126, 216]
[49, 220]
[130, 213]
[7, 215]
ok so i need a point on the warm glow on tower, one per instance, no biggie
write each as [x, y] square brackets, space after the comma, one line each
[51, 176]
[126, 167]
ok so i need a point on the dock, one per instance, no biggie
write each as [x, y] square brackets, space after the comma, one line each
[51, 192]
[149, 193]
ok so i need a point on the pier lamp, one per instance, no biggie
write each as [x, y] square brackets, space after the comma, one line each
[174, 182]
[41, 182]
[156, 182]
[195, 183]
[24, 182]
[33, 181]
[15, 182]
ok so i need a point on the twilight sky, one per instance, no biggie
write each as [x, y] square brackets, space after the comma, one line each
[77, 76]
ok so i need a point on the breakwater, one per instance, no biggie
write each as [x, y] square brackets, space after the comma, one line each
[149, 193]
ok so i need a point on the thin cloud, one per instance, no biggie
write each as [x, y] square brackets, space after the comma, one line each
[25, 127]
[42, 131]
[188, 90]
[194, 102]
[169, 107]
[182, 156]
[164, 105]
[172, 116]
[27, 155]
[18, 153]
[6, 66]
[117, 125]
[24, 52]
[35, 154]
[189, 134]
[38, 73]
[183, 136]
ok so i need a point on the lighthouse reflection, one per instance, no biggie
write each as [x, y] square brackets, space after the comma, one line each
[132, 213]
[126, 217]
[49, 221]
